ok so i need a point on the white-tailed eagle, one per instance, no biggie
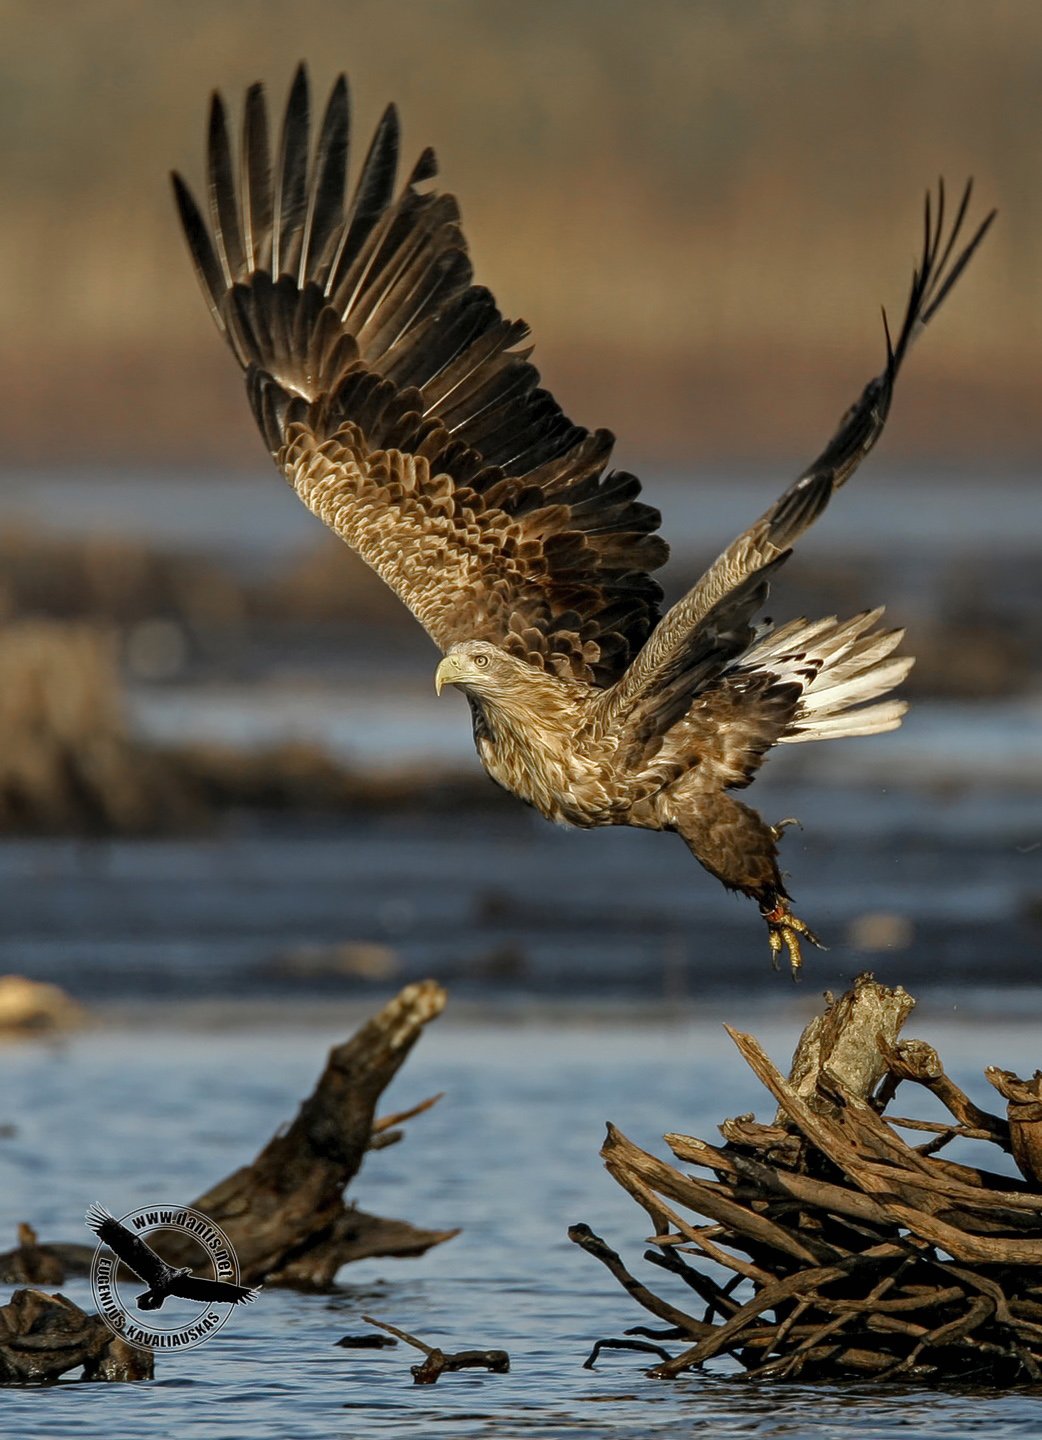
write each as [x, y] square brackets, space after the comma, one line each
[398, 403]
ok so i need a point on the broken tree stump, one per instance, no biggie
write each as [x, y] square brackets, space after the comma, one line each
[285, 1214]
[43, 1337]
[851, 1252]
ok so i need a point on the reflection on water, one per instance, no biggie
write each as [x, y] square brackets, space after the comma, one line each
[510, 1154]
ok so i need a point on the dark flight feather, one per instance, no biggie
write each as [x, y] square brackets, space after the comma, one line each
[291, 179]
[381, 286]
[255, 172]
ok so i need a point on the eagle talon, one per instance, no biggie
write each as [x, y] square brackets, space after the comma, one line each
[782, 825]
[785, 929]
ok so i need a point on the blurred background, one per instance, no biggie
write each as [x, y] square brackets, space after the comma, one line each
[223, 771]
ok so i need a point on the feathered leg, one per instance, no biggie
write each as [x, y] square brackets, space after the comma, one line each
[736, 845]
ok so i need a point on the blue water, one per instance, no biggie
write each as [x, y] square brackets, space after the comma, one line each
[916, 513]
[510, 1155]
[593, 971]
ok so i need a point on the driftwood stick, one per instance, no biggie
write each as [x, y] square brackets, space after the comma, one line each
[698, 1237]
[707, 1198]
[400, 1334]
[384, 1132]
[437, 1361]
[803, 1188]
[585, 1238]
[717, 1298]
[1024, 1118]
[920, 1063]
[770, 1297]
[644, 1346]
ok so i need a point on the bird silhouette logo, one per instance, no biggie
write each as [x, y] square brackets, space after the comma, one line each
[123, 1244]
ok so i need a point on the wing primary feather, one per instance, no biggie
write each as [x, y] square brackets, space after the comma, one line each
[291, 176]
[207, 266]
[862, 425]
[425, 168]
[255, 169]
[340, 271]
[224, 202]
[375, 185]
[936, 300]
[325, 205]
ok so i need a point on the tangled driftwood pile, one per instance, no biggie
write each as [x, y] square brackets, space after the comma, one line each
[839, 1248]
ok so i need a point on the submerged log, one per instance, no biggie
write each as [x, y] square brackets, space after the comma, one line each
[43, 1337]
[851, 1251]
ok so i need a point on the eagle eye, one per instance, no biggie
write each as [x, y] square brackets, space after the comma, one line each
[481, 661]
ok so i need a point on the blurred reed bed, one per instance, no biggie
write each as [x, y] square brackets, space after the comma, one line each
[66, 758]
[70, 764]
[181, 616]
[698, 207]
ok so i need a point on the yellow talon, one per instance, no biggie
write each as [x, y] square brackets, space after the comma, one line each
[784, 929]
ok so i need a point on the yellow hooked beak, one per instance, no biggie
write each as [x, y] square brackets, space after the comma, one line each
[447, 673]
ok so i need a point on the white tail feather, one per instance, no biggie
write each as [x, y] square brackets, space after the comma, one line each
[868, 720]
[840, 665]
[865, 685]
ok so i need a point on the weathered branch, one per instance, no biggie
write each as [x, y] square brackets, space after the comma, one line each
[284, 1213]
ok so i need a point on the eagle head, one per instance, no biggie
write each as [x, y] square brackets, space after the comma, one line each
[483, 670]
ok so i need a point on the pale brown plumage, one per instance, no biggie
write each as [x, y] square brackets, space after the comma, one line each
[393, 396]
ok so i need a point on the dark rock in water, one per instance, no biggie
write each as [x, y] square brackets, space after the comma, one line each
[43, 1337]
[367, 1342]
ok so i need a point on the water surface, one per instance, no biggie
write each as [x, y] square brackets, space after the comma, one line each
[510, 1154]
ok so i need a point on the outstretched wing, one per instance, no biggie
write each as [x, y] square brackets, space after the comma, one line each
[217, 1292]
[131, 1249]
[393, 396]
[736, 574]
